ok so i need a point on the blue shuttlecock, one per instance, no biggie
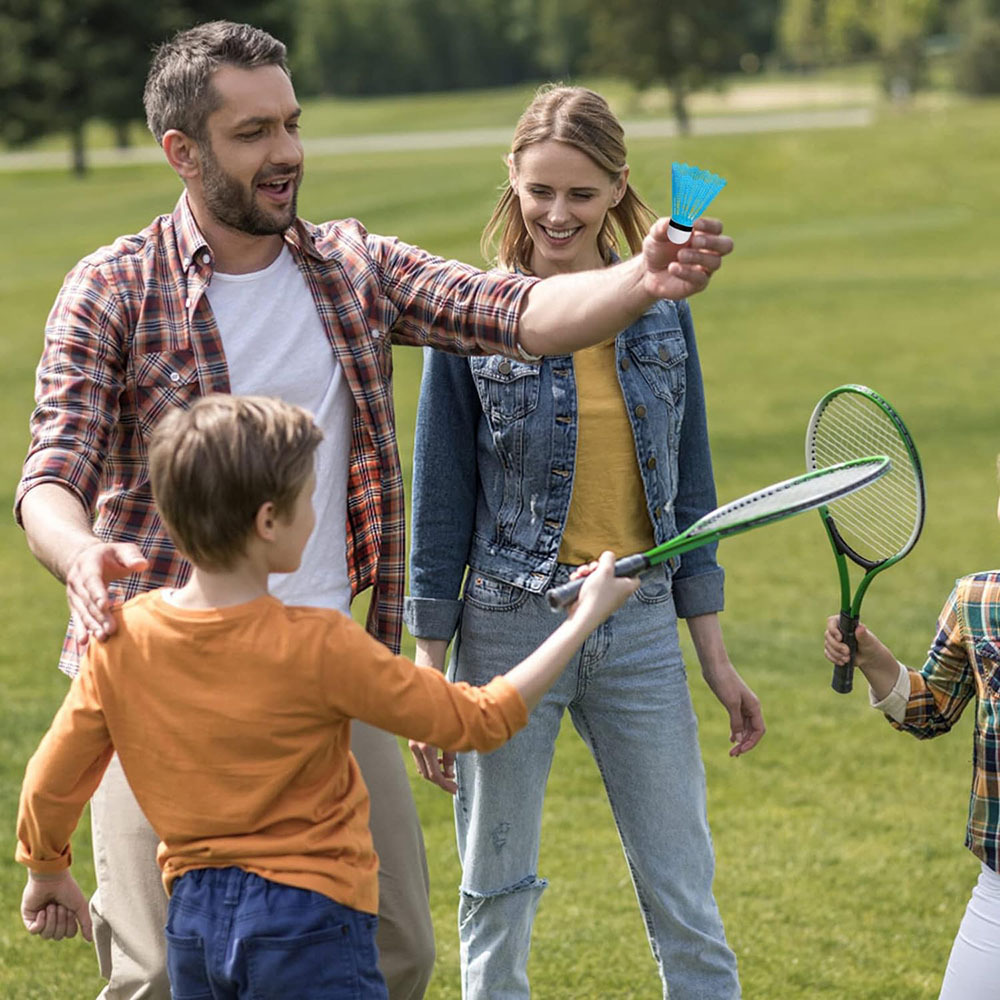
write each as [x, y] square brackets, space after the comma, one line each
[692, 190]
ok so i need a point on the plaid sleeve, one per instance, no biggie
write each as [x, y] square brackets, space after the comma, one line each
[940, 691]
[78, 384]
[428, 301]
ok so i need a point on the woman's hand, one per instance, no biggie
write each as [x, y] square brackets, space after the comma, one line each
[746, 719]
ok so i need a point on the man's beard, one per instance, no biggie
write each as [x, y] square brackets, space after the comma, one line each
[234, 206]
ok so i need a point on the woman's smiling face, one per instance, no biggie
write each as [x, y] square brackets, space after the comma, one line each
[564, 197]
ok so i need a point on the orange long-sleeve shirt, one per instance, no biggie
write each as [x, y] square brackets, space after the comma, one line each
[233, 729]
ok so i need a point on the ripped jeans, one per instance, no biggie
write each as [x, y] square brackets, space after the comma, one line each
[627, 695]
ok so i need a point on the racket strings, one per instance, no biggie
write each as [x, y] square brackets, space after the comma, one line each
[884, 520]
[790, 496]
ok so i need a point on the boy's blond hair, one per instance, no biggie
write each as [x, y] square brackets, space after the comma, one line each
[212, 466]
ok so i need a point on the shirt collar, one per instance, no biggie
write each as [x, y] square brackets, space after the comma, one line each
[302, 236]
[196, 253]
[192, 246]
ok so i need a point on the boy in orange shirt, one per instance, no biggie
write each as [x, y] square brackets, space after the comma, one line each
[230, 714]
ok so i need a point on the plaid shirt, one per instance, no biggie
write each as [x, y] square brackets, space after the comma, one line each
[131, 334]
[964, 663]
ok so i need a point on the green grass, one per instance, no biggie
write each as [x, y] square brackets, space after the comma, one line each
[841, 871]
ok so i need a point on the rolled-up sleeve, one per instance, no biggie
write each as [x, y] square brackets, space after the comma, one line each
[429, 301]
[78, 383]
[431, 617]
[699, 595]
[946, 683]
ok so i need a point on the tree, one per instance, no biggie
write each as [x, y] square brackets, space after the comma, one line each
[820, 32]
[681, 44]
[802, 33]
[560, 35]
[66, 62]
[978, 68]
[399, 46]
[46, 63]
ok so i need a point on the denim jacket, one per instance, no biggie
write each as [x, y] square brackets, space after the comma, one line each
[494, 457]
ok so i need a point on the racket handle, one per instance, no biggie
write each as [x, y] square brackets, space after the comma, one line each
[565, 594]
[843, 675]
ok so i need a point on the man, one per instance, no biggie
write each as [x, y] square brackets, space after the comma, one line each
[233, 292]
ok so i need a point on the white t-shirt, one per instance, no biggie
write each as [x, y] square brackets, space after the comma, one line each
[275, 345]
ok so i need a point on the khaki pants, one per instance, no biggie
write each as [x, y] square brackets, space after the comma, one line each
[130, 906]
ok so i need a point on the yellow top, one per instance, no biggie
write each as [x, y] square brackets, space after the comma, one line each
[233, 726]
[608, 506]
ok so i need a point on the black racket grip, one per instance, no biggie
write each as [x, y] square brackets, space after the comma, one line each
[565, 594]
[843, 675]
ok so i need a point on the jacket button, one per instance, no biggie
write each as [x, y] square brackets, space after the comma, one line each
[651, 462]
[664, 353]
[640, 411]
[626, 364]
[504, 367]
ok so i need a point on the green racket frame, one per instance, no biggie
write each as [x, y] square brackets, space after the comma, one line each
[850, 609]
[765, 506]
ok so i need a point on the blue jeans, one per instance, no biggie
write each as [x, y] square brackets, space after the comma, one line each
[232, 934]
[627, 695]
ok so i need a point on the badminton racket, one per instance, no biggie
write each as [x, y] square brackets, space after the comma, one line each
[874, 528]
[773, 503]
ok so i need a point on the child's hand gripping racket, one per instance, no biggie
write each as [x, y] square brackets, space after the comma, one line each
[752, 511]
[874, 528]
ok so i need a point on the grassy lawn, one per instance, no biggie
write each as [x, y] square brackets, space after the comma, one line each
[841, 871]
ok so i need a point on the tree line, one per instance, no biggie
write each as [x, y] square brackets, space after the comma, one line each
[64, 62]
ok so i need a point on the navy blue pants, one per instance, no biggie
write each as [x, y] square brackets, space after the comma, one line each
[232, 935]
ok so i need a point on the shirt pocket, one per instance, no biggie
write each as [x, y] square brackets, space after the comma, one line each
[164, 379]
[988, 666]
[660, 358]
[657, 585]
[508, 389]
[491, 594]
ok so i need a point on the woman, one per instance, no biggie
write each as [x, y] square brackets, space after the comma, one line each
[524, 470]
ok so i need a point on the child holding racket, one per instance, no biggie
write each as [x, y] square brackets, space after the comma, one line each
[231, 716]
[963, 666]
[525, 469]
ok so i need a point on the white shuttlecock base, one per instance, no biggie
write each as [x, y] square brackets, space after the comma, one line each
[678, 233]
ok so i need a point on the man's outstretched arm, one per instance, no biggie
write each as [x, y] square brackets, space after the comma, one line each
[569, 311]
[61, 538]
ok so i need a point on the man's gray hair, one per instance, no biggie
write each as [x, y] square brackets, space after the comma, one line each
[179, 92]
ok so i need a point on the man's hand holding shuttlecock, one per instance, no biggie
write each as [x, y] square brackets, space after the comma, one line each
[675, 272]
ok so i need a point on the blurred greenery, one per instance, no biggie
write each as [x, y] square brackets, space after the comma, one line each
[841, 871]
[67, 66]
[337, 117]
[66, 62]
